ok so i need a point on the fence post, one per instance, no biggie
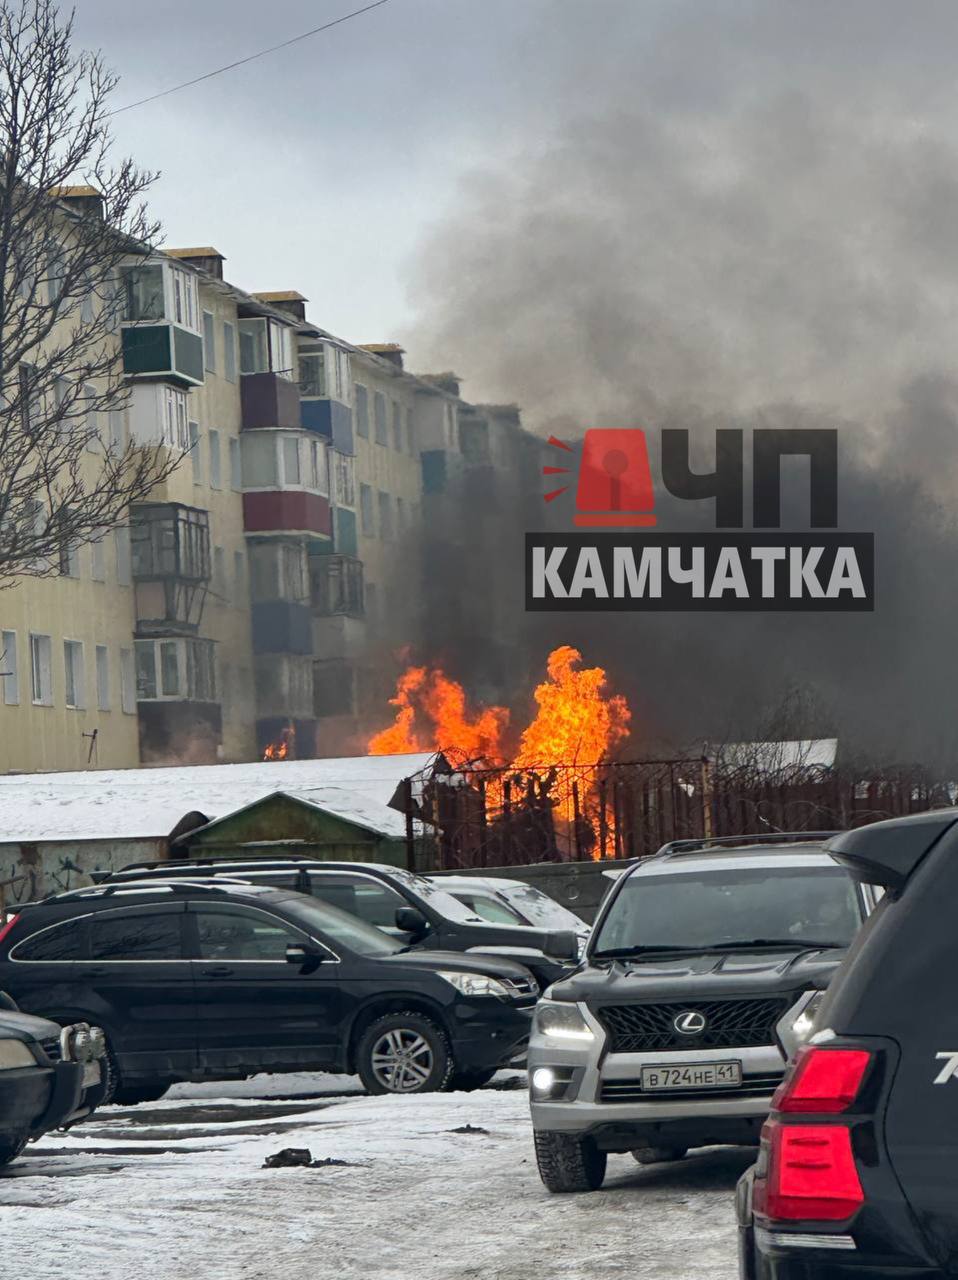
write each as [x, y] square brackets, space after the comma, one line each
[707, 830]
[410, 834]
[483, 824]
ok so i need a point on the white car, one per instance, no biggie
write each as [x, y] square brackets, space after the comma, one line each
[513, 902]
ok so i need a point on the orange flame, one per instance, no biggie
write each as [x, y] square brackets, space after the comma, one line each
[281, 747]
[432, 715]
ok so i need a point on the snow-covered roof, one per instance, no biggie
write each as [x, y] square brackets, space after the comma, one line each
[118, 804]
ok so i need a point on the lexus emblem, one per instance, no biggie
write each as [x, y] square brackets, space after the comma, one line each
[690, 1023]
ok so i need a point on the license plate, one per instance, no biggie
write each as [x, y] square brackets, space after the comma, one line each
[91, 1074]
[698, 1075]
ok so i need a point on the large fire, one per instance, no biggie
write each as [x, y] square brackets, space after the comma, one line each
[576, 723]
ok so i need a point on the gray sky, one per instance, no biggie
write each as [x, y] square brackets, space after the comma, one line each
[321, 166]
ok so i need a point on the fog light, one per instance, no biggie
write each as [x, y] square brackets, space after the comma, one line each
[543, 1078]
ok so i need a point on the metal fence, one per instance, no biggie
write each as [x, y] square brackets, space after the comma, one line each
[481, 817]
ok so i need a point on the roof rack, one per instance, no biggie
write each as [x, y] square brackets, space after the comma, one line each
[169, 865]
[737, 842]
[221, 884]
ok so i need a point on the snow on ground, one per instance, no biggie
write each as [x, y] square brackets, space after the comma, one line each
[176, 1189]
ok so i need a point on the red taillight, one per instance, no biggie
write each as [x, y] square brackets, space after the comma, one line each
[5, 928]
[811, 1173]
[823, 1081]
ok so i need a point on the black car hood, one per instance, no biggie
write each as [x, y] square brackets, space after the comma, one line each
[23, 1026]
[492, 966]
[701, 975]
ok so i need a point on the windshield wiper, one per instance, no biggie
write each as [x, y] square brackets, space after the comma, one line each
[802, 944]
[618, 953]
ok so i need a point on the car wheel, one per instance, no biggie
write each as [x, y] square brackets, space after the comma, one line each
[10, 1148]
[658, 1155]
[404, 1053]
[568, 1162]
[466, 1081]
[128, 1095]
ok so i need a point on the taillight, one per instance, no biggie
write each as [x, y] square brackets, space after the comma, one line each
[823, 1081]
[811, 1173]
[5, 928]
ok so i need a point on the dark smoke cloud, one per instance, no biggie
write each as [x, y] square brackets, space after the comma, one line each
[733, 214]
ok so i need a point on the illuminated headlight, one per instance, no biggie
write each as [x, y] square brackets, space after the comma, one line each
[475, 984]
[14, 1053]
[543, 1078]
[561, 1021]
[796, 1027]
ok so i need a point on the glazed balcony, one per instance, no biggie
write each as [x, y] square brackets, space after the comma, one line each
[269, 400]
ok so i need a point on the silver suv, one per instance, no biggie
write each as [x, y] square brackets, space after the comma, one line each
[701, 977]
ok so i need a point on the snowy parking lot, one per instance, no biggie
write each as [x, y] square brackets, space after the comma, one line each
[177, 1189]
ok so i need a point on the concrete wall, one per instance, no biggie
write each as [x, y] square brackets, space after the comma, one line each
[58, 866]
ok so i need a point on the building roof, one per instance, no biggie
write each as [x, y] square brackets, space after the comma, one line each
[131, 804]
[203, 251]
[280, 295]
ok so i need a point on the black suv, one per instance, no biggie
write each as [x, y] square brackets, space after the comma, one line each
[416, 910]
[856, 1175]
[195, 981]
[701, 976]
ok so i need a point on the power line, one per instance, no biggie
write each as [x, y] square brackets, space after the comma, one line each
[252, 57]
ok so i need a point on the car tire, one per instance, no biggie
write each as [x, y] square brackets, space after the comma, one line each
[658, 1155]
[466, 1081]
[10, 1148]
[128, 1095]
[569, 1162]
[404, 1053]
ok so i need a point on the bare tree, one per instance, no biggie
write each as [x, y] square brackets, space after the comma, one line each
[70, 220]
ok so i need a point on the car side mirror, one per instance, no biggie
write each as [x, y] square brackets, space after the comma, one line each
[308, 958]
[412, 921]
[8, 1002]
[562, 945]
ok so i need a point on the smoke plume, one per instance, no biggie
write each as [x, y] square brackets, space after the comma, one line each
[740, 213]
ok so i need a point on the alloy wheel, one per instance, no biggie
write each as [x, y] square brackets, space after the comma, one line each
[402, 1060]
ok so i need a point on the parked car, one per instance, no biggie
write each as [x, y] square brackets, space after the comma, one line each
[502, 901]
[220, 980]
[50, 1077]
[702, 974]
[411, 907]
[856, 1171]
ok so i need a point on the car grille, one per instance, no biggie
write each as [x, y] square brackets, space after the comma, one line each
[631, 1090]
[729, 1024]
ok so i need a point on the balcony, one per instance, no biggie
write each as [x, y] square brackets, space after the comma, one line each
[269, 400]
[163, 351]
[287, 511]
[170, 554]
[336, 586]
[330, 419]
[284, 686]
[282, 626]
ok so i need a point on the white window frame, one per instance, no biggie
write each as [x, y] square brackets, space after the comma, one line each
[73, 675]
[229, 351]
[10, 668]
[216, 476]
[209, 341]
[236, 466]
[102, 660]
[97, 560]
[127, 682]
[41, 669]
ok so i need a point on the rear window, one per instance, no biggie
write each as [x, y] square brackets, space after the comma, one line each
[57, 942]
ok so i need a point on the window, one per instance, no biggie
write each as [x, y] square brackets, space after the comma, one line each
[145, 669]
[281, 349]
[230, 933]
[229, 352]
[236, 469]
[400, 515]
[8, 666]
[54, 269]
[29, 400]
[169, 669]
[291, 460]
[195, 454]
[73, 674]
[175, 430]
[117, 433]
[57, 942]
[344, 473]
[385, 517]
[176, 668]
[239, 575]
[336, 585]
[375, 903]
[379, 414]
[144, 293]
[102, 678]
[41, 671]
[362, 412]
[366, 510]
[170, 540]
[277, 571]
[410, 433]
[91, 424]
[97, 561]
[86, 300]
[215, 476]
[209, 341]
[69, 555]
[219, 571]
[136, 935]
[121, 542]
[184, 298]
[397, 426]
[312, 375]
[127, 682]
[317, 467]
[254, 348]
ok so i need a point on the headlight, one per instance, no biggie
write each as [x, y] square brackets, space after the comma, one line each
[475, 984]
[583, 943]
[796, 1027]
[14, 1053]
[561, 1021]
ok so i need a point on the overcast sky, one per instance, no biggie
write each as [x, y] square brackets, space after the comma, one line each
[321, 167]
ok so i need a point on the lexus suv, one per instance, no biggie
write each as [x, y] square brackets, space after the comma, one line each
[220, 980]
[701, 977]
[856, 1175]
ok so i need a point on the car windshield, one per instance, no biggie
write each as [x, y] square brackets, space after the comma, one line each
[492, 909]
[440, 900]
[702, 909]
[331, 925]
[539, 909]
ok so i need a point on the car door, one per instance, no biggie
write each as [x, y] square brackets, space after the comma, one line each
[137, 982]
[366, 897]
[257, 1012]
